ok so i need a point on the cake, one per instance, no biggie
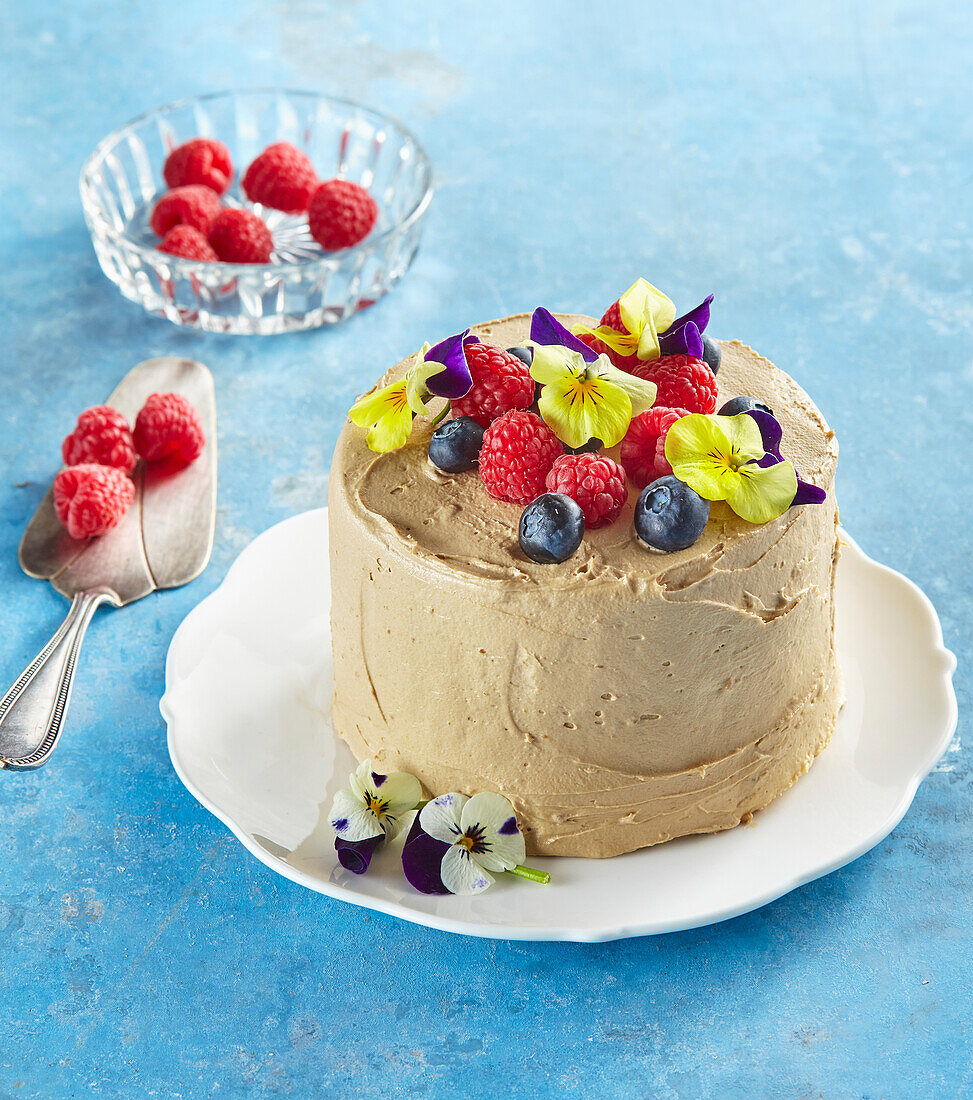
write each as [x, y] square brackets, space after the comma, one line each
[619, 699]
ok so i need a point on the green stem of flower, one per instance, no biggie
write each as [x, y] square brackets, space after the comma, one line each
[530, 874]
[441, 415]
[423, 802]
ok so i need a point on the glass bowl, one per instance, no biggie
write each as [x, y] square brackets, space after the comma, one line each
[304, 286]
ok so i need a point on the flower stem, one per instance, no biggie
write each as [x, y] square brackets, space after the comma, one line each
[441, 414]
[531, 874]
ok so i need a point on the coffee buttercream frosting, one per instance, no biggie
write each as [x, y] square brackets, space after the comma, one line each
[619, 699]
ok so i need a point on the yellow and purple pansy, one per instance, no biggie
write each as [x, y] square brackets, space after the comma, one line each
[771, 434]
[651, 326]
[438, 371]
[737, 459]
[583, 396]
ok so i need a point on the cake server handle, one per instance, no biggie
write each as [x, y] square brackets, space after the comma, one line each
[32, 712]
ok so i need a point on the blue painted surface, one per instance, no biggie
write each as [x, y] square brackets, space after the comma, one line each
[812, 164]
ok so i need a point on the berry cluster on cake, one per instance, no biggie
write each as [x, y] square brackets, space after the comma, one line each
[590, 566]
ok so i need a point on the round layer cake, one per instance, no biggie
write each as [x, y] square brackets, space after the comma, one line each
[619, 699]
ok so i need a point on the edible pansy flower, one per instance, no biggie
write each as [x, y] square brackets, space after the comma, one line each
[584, 396]
[651, 331]
[685, 335]
[720, 457]
[422, 860]
[646, 312]
[545, 328]
[439, 371]
[770, 434]
[387, 416]
[457, 844]
[370, 810]
[356, 855]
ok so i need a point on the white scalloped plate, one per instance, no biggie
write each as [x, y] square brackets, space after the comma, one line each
[247, 702]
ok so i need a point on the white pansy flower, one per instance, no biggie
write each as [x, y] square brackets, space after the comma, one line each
[482, 834]
[373, 804]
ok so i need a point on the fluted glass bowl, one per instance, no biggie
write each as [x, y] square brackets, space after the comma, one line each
[304, 286]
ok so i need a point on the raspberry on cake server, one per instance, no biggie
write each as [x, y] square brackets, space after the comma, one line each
[631, 643]
[131, 530]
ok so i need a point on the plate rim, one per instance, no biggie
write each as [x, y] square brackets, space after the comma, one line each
[553, 932]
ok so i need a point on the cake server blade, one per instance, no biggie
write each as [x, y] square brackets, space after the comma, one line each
[164, 540]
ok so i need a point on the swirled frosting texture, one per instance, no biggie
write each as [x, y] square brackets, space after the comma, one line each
[620, 699]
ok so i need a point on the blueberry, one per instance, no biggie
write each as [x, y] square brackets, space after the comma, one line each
[669, 515]
[551, 528]
[455, 445]
[590, 447]
[525, 355]
[737, 405]
[712, 354]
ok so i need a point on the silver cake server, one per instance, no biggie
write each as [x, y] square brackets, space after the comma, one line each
[164, 540]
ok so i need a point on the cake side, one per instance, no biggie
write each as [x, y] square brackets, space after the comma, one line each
[620, 699]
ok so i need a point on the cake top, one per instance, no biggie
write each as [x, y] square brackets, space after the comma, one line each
[499, 491]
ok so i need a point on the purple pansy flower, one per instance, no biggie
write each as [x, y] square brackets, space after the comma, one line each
[685, 335]
[455, 380]
[771, 433]
[355, 855]
[546, 329]
[422, 859]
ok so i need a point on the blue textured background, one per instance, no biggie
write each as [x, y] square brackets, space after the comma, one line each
[812, 164]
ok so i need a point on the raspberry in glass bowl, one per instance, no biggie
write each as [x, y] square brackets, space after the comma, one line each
[303, 285]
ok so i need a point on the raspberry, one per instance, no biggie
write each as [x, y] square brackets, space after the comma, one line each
[281, 177]
[612, 318]
[683, 382]
[594, 481]
[195, 206]
[102, 437]
[518, 450]
[341, 214]
[168, 426]
[643, 450]
[240, 237]
[90, 499]
[501, 382]
[202, 161]
[183, 240]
